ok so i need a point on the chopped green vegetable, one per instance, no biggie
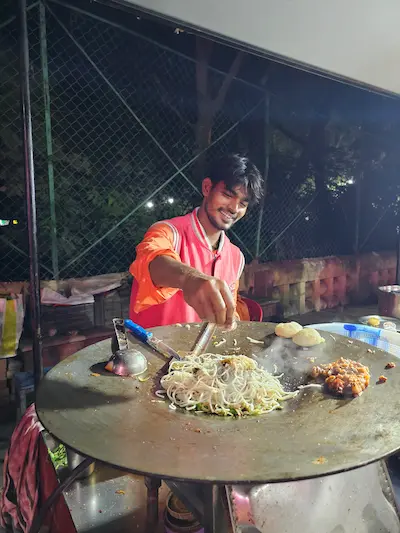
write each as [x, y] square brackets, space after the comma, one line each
[59, 457]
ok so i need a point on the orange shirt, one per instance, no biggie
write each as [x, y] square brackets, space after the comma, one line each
[158, 240]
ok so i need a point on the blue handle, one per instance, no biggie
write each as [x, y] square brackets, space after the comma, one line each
[138, 331]
[351, 328]
[372, 337]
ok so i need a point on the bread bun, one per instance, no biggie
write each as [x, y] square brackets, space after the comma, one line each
[287, 329]
[308, 337]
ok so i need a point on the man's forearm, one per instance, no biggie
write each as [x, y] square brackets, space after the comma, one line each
[167, 272]
[210, 297]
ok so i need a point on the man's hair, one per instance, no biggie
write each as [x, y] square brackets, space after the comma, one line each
[237, 171]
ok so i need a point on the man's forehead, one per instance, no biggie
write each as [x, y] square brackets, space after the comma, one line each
[239, 190]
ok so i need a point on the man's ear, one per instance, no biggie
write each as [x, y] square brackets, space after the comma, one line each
[206, 187]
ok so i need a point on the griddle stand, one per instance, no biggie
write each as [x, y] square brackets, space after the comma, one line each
[204, 501]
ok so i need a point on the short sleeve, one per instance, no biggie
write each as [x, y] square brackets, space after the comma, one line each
[158, 240]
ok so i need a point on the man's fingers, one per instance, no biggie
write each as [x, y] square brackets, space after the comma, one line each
[229, 306]
[208, 313]
[211, 298]
[219, 308]
[233, 326]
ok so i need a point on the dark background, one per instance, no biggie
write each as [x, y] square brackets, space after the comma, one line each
[125, 115]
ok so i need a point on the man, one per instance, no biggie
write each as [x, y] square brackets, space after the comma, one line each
[186, 268]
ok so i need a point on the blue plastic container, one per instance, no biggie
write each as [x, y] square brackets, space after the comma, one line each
[368, 334]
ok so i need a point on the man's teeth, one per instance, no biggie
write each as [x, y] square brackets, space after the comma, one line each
[226, 215]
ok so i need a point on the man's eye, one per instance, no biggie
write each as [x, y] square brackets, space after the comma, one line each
[227, 194]
[242, 204]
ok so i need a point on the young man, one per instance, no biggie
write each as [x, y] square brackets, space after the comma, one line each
[186, 268]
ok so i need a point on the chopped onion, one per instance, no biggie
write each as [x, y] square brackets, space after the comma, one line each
[254, 341]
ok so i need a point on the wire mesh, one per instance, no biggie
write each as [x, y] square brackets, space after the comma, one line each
[122, 111]
[13, 243]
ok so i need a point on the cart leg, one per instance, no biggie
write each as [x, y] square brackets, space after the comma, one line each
[211, 510]
[152, 484]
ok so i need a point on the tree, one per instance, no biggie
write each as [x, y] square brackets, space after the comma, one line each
[209, 104]
[93, 190]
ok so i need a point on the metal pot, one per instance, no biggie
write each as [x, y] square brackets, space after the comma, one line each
[177, 519]
[389, 301]
[174, 526]
[74, 459]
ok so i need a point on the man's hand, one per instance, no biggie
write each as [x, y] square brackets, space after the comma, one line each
[210, 298]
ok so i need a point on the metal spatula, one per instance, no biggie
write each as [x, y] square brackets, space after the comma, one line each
[147, 336]
[203, 340]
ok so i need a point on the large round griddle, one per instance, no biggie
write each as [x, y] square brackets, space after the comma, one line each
[121, 422]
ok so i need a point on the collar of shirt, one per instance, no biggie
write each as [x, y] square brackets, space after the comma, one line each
[202, 236]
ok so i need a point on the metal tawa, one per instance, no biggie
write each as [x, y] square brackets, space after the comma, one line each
[122, 422]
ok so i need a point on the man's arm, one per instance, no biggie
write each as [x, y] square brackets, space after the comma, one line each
[158, 240]
[160, 273]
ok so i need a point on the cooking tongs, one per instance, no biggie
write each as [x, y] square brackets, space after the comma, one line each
[203, 340]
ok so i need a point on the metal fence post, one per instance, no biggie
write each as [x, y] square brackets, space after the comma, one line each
[266, 169]
[48, 137]
[26, 118]
[359, 180]
[397, 255]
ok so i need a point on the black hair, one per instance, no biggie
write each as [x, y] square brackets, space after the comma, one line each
[237, 171]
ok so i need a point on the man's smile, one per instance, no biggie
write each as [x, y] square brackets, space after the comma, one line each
[226, 216]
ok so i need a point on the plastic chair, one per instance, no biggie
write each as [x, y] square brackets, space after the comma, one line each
[255, 309]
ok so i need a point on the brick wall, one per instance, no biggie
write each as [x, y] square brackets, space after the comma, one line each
[319, 283]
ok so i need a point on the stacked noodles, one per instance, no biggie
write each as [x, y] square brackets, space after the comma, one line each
[233, 385]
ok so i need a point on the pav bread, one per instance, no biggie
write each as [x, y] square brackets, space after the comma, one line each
[287, 329]
[308, 337]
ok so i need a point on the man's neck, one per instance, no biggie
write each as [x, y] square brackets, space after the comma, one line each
[212, 233]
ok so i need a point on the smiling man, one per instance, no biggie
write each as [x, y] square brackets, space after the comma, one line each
[186, 268]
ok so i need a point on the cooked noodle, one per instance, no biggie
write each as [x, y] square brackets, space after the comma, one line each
[233, 385]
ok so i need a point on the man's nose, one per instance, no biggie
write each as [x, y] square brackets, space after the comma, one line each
[234, 206]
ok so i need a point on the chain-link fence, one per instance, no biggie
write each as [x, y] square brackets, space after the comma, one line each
[114, 121]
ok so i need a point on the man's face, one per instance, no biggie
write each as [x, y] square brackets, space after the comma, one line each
[224, 206]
